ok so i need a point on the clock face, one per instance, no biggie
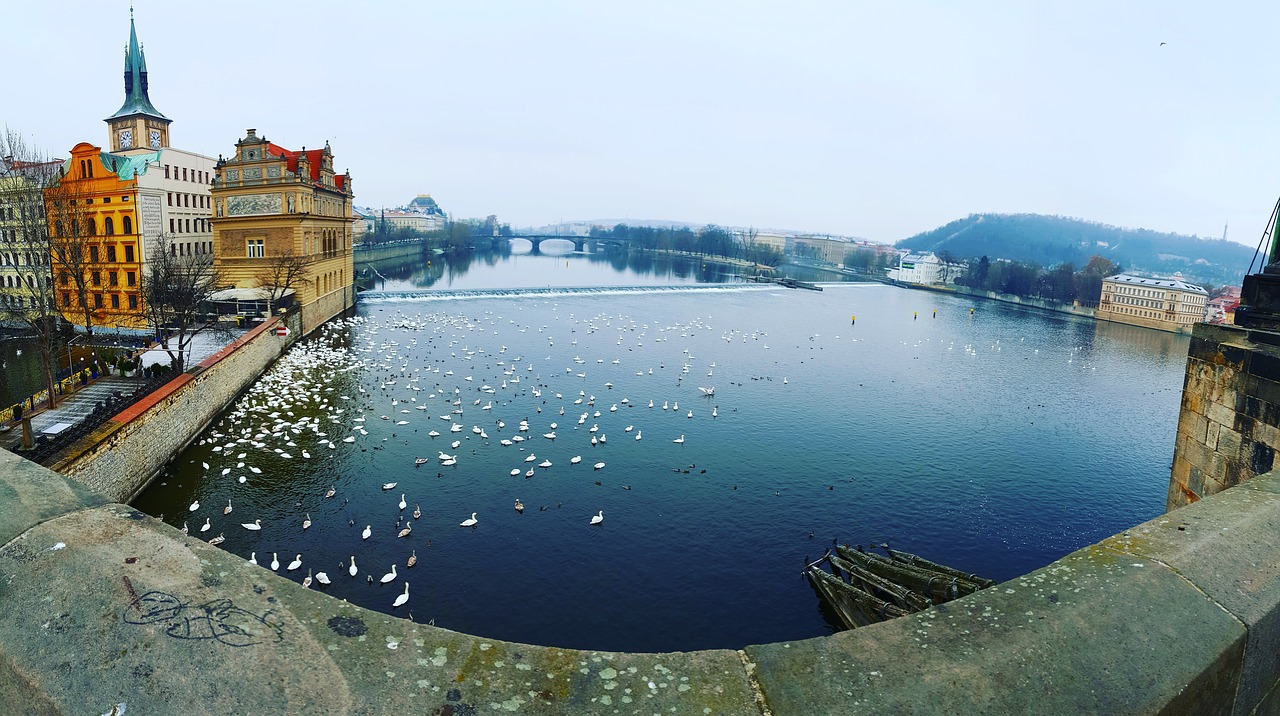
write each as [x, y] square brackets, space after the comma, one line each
[126, 138]
[155, 139]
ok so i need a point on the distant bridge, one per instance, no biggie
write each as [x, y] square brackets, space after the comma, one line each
[579, 242]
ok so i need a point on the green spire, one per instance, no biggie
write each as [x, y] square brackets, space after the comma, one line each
[136, 100]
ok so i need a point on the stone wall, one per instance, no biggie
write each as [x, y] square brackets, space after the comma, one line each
[105, 607]
[1041, 303]
[1229, 425]
[325, 307]
[120, 458]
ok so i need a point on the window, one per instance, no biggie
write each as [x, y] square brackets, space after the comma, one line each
[115, 300]
[93, 227]
[93, 254]
[133, 301]
[131, 278]
[171, 229]
[106, 200]
[97, 278]
[124, 198]
[128, 226]
[166, 171]
[170, 198]
[66, 300]
[113, 279]
[184, 174]
[255, 249]
[97, 300]
[111, 254]
[109, 226]
[128, 253]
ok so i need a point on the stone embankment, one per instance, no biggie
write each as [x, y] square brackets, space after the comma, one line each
[104, 607]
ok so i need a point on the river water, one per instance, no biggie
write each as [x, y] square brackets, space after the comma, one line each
[995, 441]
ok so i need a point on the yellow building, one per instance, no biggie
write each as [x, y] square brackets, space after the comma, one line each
[275, 206]
[1164, 304]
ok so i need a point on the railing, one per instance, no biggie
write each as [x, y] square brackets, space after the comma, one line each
[47, 447]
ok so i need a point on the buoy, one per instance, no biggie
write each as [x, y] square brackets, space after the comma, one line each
[853, 320]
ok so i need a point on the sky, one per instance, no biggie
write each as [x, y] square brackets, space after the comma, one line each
[876, 120]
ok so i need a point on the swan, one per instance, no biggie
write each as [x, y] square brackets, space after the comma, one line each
[417, 511]
[400, 600]
[638, 432]
[469, 522]
[218, 540]
[679, 440]
[598, 518]
[413, 559]
[194, 506]
[306, 582]
[599, 466]
[690, 415]
[322, 577]
[575, 459]
[406, 531]
[519, 505]
[297, 562]
[253, 558]
[331, 492]
[403, 504]
[388, 486]
[715, 411]
[255, 525]
[352, 569]
[368, 530]
[275, 562]
[205, 527]
[545, 463]
[389, 576]
[307, 522]
[184, 528]
[227, 510]
[515, 472]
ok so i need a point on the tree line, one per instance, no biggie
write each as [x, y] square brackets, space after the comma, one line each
[710, 240]
[1061, 283]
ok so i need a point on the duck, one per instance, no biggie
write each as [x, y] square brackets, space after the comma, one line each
[255, 525]
[598, 518]
[400, 600]
[296, 563]
[389, 576]
[275, 562]
[469, 522]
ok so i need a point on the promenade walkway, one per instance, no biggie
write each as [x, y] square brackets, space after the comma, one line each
[72, 408]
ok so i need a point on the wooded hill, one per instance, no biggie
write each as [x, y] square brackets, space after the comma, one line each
[1052, 240]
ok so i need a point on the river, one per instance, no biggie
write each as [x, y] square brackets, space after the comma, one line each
[995, 441]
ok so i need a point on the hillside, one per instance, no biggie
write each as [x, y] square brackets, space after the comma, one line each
[1051, 240]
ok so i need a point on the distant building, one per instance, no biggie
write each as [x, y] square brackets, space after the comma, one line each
[1166, 304]
[820, 248]
[273, 203]
[925, 269]
[24, 255]
[1223, 308]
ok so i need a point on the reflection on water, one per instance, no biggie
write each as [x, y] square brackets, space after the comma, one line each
[513, 264]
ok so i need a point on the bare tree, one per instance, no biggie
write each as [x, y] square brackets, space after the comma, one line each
[74, 244]
[28, 296]
[285, 271]
[176, 297]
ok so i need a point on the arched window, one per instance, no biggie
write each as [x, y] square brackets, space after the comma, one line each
[128, 225]
[108, 226]
[93, 227]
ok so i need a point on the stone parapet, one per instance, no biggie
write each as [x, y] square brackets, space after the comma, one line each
[104, 606]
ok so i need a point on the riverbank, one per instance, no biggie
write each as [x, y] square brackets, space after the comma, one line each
[1028, 302]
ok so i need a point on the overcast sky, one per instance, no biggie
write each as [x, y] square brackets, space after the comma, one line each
[870, 119]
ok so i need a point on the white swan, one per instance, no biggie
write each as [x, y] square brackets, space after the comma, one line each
[227, 510]
[307, 522]
[638, 432]
[297, 562]
[255, 525]
[368, 530]
[679, 440]
[352, 569]
[194, 506]
[389, 576]
[275, 562]
[403, 504]
[599, 466]
[205, 527]
[400, 600]
[598, 518]
[575, 459]
[322, 577]
[469, 522]
[306, 582]
[253, 558]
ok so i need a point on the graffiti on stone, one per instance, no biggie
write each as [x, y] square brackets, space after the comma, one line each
[218, 619]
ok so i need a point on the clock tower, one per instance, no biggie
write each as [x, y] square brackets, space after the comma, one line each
[137, 126]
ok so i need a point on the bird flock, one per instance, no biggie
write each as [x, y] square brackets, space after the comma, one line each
[447, 387]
